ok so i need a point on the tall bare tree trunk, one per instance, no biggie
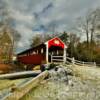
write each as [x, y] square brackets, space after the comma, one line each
[87, 32]
[87, 35]
[92, 32]
[93, 27]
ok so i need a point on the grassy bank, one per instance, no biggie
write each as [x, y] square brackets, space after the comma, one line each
[83, 85]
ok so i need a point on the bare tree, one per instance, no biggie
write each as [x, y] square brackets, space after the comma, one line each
[6, 26]
[88, 24]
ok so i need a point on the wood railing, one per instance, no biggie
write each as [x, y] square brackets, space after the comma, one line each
[22, 90]
[71, 61]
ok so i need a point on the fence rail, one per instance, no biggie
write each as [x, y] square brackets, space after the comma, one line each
[22, 90]
[71, 61]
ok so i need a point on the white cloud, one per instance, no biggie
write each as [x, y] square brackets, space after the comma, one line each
[20, 16]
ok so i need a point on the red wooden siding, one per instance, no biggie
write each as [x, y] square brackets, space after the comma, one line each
[32, 59]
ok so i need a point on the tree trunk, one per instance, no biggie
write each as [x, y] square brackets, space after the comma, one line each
[87, 35]
[92, 32]
[87, 32]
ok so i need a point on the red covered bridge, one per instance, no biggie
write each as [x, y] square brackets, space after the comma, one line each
[43, 52]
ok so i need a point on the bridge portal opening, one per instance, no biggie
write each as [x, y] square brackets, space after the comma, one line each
[55, 47]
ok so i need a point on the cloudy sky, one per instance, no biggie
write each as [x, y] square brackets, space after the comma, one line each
[43, 16]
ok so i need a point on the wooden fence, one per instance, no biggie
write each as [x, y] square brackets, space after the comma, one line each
[71, 61]
[21, 91]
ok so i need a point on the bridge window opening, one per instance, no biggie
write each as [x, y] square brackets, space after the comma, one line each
[37, 52]
[42, 51]
[34, 52]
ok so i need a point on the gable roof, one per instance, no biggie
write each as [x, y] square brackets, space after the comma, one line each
[61, 44]
[56, 42]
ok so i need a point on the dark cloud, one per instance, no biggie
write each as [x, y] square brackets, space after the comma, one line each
[32, 16]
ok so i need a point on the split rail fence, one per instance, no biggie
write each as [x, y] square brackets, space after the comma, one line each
[69, 60]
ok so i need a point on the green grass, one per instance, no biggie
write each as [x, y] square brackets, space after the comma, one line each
[9, 83]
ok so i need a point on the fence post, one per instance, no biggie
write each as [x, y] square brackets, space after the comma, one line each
[83, 63]
[64, 55]
[73, 60]
[94, 64]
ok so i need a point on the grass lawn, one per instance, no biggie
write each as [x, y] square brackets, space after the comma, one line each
[9, 83]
